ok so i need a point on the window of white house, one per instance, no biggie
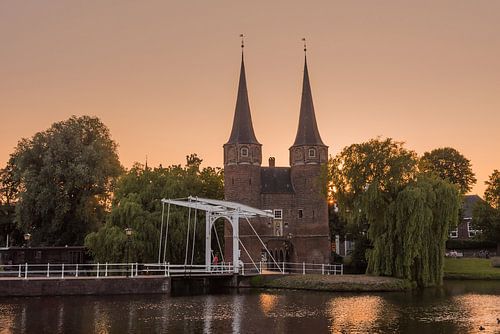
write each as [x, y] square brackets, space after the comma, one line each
[472, 232]
[244, 151]
[312, 153]
[453, 234]
[278, 214]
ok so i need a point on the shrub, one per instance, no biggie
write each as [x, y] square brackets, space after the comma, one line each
[469, 244]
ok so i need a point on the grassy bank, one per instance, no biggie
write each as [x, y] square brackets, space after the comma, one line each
[470, 268]
[354, 283]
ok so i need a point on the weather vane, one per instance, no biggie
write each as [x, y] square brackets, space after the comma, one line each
[305, 44]
[242, 40]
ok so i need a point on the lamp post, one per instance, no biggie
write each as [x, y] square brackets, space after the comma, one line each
[128, 233]
[27, 237]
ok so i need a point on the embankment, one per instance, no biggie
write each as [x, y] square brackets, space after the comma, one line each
[347, 283]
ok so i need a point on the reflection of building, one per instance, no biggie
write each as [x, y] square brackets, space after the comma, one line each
[465, 229]
[296, 194]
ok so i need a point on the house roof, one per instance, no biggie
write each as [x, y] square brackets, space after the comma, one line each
[276, 180]
[468, 205]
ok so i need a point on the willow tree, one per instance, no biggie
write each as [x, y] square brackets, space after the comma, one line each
[406, 214]
[409, 229]
[136, 204]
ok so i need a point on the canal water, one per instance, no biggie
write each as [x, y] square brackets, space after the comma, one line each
[458, 307]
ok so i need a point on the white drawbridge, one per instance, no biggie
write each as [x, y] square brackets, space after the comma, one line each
[214, 209]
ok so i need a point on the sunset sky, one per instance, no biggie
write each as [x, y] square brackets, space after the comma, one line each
[162, 75]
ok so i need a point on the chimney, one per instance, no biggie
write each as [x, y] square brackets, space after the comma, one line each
[272, 161]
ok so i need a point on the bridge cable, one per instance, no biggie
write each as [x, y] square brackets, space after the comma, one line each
[267, 250]
[166, 233]
[187, 236]
[241, 243]
[161, 231]
[194, 234]
[218, 243]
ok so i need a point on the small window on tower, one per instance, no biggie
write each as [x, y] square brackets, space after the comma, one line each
[312, 153]
[278, 214]
[244, 151]
[301, 213]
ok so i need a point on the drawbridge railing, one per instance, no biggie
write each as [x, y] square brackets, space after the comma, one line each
[103, 270]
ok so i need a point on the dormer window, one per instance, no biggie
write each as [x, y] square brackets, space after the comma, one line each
[244, 151]
[312, 153]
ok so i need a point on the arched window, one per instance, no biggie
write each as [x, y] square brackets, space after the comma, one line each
[244, 151]
[312, 153]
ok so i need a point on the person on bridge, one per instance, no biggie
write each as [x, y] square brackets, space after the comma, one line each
[216, 261]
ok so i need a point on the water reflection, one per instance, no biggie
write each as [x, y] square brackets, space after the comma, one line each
[267, 302]
[480, 310]
[458, 308]
[360, 314]
[6, 318]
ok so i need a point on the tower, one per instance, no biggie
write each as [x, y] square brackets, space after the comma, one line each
[308, 162]
[242, 159]
[242, 152]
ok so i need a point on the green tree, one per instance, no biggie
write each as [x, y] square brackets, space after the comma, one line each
[384, 163]
[63, 177]
[409, 229]
[492, 192]
[8, 197]
[406, 214]
[136, 204]
[449, 165]
[486, 214]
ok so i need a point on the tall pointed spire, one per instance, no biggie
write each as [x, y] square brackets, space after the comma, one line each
[242, 131]
[307, 132]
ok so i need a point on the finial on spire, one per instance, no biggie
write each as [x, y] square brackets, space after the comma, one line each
[305, 44]
[242, 40]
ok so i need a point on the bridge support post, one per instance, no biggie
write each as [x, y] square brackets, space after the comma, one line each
[236, 245]
[208, 240]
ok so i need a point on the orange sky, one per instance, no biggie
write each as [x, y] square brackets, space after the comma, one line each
[162, 75]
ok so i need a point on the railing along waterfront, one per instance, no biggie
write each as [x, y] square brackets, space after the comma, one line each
[302, 268]
[100, 270]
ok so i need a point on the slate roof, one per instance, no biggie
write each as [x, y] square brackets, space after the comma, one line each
[242, 131]
[307, 132]
[276, 180]
[468, 205]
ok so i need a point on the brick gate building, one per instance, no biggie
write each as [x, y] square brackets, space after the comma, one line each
[297, 194]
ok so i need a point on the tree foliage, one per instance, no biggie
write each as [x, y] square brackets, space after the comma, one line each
[406, 214]
[137, 205]
[8, 209]
[492, 192]
[486, 214]
[63, 178]
[385, 164]
[449, 165]
[410, 230]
